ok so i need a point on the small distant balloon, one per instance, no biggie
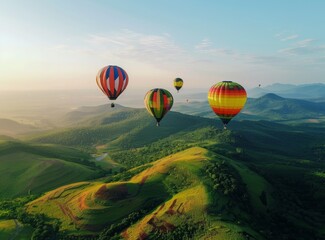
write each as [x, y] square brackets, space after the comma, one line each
[158, 102]
[178, 83]
[226, 99]
[112, 81]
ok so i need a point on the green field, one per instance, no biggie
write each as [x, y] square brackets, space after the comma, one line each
[34, 169]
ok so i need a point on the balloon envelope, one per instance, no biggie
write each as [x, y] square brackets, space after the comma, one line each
[178, 83]
[112, 80]
[227, 99]
[158, 102]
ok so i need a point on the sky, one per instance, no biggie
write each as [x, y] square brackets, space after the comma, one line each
[61, 44]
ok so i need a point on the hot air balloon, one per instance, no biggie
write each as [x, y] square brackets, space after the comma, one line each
[158, 102]
[226, 99]
[178, 83]
[112, 80]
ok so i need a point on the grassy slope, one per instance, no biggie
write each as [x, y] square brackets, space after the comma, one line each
[121, 128]
[173, 186]
[35, 168]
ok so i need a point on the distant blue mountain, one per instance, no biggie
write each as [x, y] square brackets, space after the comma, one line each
[313, 91]
[274, 107]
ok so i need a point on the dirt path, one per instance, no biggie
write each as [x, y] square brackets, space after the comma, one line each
[67, 212]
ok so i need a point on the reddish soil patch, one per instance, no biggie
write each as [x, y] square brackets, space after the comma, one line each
[82, 202]
[143, 180]
[179, 210]
[125, 234]
[170, 210]
[161, 225]
[114, 193]
[166, 227]
[161, 207]
[143, 236]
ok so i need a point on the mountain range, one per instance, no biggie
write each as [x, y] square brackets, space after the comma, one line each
[313, 91]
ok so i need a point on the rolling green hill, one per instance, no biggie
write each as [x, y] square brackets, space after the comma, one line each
[194, 194]
[274, 107]
[119, 127]
[13, 128]
[34, 169]
[175, 189]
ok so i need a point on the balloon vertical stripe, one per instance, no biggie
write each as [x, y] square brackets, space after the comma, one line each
[158, 102]
[112, 80]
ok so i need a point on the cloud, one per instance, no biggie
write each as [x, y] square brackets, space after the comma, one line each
[160, 50]
[286, 36]
[127, 45]
[305, 42]
[204, 44]
[137, 46]
[206, 47]
[303, 48]
[290, 37]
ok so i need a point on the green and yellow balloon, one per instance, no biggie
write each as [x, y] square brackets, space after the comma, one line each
[178, 83]
[158, 102]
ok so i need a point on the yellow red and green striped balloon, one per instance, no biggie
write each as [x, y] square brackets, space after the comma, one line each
[226, 99]
[158, 102]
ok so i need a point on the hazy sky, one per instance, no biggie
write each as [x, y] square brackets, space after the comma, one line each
[61, 44]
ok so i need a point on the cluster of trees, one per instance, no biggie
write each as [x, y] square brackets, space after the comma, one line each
[139, 156]
[114, 230]
[226, 180]
[9, 209]
[14, 209]
[167, 146]
[178, 179]
[42, 229]
[126, 175]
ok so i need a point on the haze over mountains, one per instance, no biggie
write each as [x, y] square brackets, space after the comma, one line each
[313, 91]
[38, 110]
